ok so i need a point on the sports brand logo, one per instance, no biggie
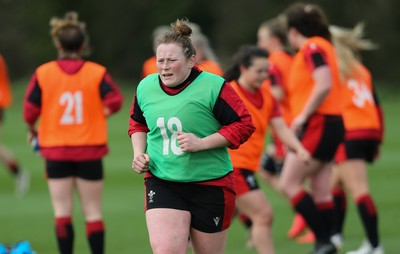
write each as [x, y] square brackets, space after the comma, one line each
[151, 195]
[251, 181]
[216, 220]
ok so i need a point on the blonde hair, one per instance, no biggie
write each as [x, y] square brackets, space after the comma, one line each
[278, 28]
[69, 32]
[348, 43]
[158, 34]
[200, 40]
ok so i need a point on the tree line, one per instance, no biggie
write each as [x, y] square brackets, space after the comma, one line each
[120, 31]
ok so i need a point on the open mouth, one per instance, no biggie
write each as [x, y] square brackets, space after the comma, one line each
[166, 75]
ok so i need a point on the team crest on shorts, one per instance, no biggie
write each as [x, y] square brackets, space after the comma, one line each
[151, 196]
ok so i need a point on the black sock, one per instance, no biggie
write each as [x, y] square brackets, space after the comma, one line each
[65, 235]
[95, 235]
[304, 204]
[13, 168]
[339, 198]
[369, 218]
[245, 221]
[327, 210]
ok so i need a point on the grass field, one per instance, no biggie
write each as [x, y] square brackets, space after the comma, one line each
[31, 218]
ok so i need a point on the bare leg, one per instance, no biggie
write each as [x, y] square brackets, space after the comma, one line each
[271, 179]
[206, 243]
[61, 196]
[169, 230]
[355, 178]
[6, 155]
[291, 182]
[254, 205]
[90, 193]
[320, 187]
[294, 174]
[353, 174]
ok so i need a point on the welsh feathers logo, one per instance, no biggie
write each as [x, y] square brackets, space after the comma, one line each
[151, 195]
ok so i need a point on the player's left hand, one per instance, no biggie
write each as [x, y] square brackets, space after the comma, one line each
[189, 142]
[304, 155]
[298, 124]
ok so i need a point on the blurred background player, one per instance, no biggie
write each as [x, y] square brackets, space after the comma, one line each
[246, 76]
[206, 60]
[73, 98]
[149, 66]
[314, 93]
[272, 36]
[362, 116]
[22, 179]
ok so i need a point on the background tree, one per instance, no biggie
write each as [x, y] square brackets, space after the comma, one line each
[121, 30]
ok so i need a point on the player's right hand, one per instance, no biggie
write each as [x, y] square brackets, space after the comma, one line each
[140, 163]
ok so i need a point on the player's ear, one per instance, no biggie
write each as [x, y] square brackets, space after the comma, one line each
[192, 61]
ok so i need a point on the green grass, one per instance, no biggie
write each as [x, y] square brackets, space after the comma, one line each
[31, 218]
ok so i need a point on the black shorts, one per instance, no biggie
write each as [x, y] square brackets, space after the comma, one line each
[363, 149]
[322, 135]
[88, 170]
[245, 181]
[211, 207]
[271, 165]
